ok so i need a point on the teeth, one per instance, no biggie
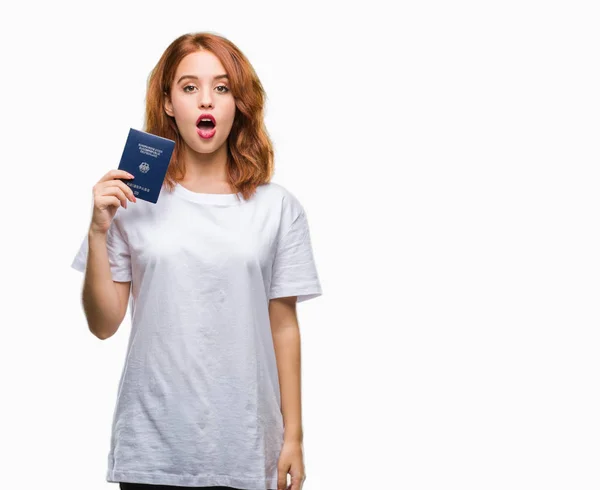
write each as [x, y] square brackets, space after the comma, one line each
[205, 119]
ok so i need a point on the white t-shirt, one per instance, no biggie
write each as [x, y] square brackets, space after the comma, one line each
[198, 401]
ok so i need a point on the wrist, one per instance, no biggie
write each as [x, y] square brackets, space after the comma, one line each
[94, 234]
[294, 435]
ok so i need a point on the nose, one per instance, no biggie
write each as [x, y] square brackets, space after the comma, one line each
[205, 99]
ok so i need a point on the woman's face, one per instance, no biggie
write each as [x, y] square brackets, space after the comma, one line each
[196, 90]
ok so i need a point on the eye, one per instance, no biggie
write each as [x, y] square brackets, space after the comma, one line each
[219, 86]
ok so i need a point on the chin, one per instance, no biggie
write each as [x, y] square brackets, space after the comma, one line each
[205, 147]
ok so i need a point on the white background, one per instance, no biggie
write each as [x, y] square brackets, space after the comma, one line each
[446, 154]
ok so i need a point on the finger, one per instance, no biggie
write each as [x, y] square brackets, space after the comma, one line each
[116, 191]
[108, 201]
[116, 173]
[282, 479]
[122, 185]
[296, 483]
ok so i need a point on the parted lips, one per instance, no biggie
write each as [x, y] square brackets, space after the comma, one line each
[206, 121]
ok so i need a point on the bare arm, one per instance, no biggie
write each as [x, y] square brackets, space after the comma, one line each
[104, 300]
[286, 338]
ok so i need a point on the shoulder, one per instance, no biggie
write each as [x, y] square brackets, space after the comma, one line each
[282, 205]
[280, 197]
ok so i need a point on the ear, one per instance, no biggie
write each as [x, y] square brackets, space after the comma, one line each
[168, 105]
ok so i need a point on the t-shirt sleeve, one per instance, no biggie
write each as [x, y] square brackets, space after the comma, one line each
[119, 257]
[294, 270]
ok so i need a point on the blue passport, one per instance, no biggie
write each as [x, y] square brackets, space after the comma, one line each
[146, 157]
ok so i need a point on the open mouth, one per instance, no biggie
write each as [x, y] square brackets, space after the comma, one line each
[205, 124]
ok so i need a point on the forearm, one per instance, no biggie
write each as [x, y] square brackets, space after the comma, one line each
[287, 350]
[100, 298]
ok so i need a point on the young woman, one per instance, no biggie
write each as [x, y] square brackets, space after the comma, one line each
[209, 394]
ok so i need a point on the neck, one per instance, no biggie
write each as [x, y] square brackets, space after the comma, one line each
[206, 172]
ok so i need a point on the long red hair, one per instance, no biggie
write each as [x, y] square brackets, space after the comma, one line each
[250, 150]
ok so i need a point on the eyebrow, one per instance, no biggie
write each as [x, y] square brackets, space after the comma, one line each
[196, 78]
